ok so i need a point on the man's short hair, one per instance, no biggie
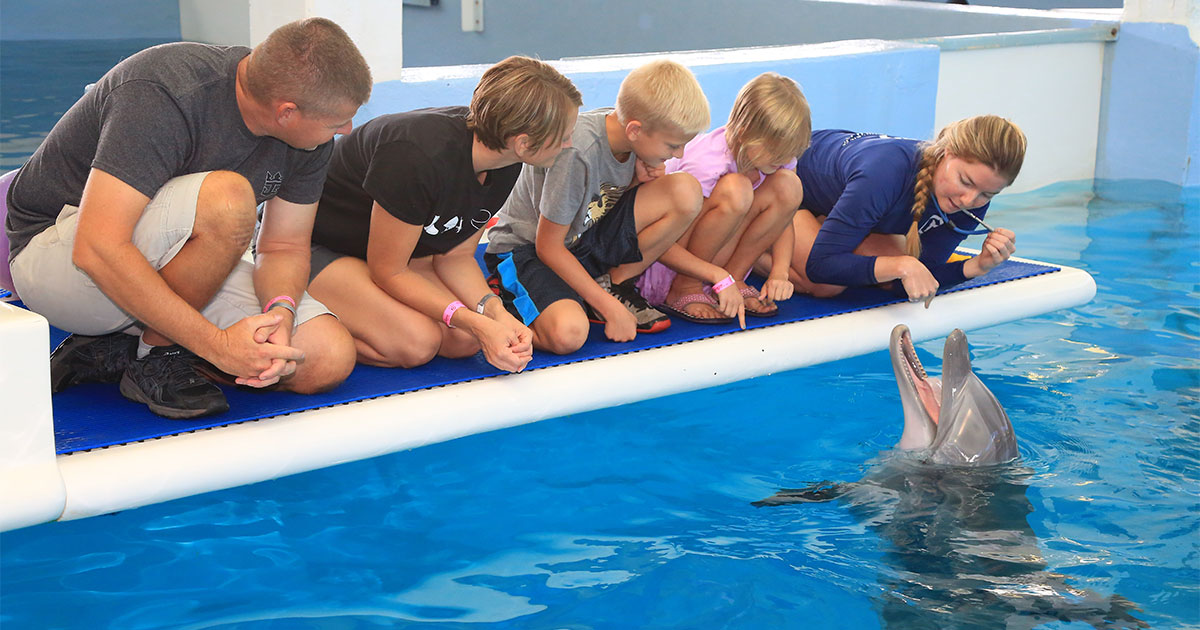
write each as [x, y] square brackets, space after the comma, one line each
[663, 95]
[312, 63]
[522, 96]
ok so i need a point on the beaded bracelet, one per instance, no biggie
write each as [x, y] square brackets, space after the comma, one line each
[449, 312]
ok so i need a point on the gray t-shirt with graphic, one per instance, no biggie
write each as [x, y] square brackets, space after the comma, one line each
[167, 111]
[584, 183]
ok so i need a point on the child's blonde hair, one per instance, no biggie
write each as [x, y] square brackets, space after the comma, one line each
[770, 112]
[518, 96]
[663, 95]
[990, 140]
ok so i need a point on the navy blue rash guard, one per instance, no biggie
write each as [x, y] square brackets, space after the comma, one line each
[863, 183]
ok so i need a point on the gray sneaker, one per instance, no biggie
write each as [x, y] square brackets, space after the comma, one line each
[649, 319]
[166, 380]
[83, 359]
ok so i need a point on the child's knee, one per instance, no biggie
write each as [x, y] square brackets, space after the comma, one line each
[563, 335]
[733, 195]
[788, 188]
[684, 192]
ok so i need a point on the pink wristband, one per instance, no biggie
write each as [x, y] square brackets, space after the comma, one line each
[280, 298]
[724, 284]
[449, 312]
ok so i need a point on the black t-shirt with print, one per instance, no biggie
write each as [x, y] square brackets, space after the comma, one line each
[417, 166]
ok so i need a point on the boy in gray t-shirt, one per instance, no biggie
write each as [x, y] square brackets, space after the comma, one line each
[133, 214]
[578, 234]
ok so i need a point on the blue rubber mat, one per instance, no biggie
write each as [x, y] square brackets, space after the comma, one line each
[96, 415]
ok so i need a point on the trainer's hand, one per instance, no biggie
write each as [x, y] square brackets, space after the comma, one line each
[997, 248]
[918, 282]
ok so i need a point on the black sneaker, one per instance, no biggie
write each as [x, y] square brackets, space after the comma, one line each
[83, 359]
[167, 381]
[649, 319]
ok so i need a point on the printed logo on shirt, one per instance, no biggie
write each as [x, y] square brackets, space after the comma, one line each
[934, 221]
[453, 223]
[602, 203]
[273, 182]
[860, 136]
[599, 206]
[481, 218]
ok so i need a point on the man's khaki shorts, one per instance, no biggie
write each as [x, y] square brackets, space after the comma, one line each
[50, 284]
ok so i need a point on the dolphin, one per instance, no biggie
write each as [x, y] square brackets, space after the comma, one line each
[956, 418]
[950, 508]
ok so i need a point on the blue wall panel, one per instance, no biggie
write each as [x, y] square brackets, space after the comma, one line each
[552, 29]
[1147, 111]
[891, 89]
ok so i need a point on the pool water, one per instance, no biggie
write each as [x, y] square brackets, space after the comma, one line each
[640, 516]
[40, 80]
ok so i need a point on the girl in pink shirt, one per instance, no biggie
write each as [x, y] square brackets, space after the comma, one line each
[746, 171]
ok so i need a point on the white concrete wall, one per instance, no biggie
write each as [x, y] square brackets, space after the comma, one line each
[374, 25]
[1052, 91]
[1185, 12]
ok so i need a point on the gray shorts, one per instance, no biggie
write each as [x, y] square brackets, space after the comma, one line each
[320, 259]
[51, 285]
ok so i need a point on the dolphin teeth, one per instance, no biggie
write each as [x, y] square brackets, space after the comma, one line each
[910, 355]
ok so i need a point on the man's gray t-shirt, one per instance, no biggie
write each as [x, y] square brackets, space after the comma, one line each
[167, 111]
[584, 183]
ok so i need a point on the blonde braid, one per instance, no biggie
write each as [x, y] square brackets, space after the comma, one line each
[930, 158]
[990, 140]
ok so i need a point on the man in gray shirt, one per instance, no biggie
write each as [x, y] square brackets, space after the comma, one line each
[133, 215]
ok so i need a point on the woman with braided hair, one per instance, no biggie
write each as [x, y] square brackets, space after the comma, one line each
[878, 209]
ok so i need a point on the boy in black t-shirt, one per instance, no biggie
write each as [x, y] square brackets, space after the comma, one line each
[405, 203]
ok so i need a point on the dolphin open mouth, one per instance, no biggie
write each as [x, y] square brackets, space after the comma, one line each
[929, 391]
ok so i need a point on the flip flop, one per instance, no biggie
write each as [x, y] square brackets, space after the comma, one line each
[675, 309]
[751, 292]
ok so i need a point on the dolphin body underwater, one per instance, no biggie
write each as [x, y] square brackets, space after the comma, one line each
[950, 509]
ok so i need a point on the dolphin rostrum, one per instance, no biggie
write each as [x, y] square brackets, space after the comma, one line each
[957, 418]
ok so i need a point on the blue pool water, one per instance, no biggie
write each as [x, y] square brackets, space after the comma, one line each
[640, 516]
